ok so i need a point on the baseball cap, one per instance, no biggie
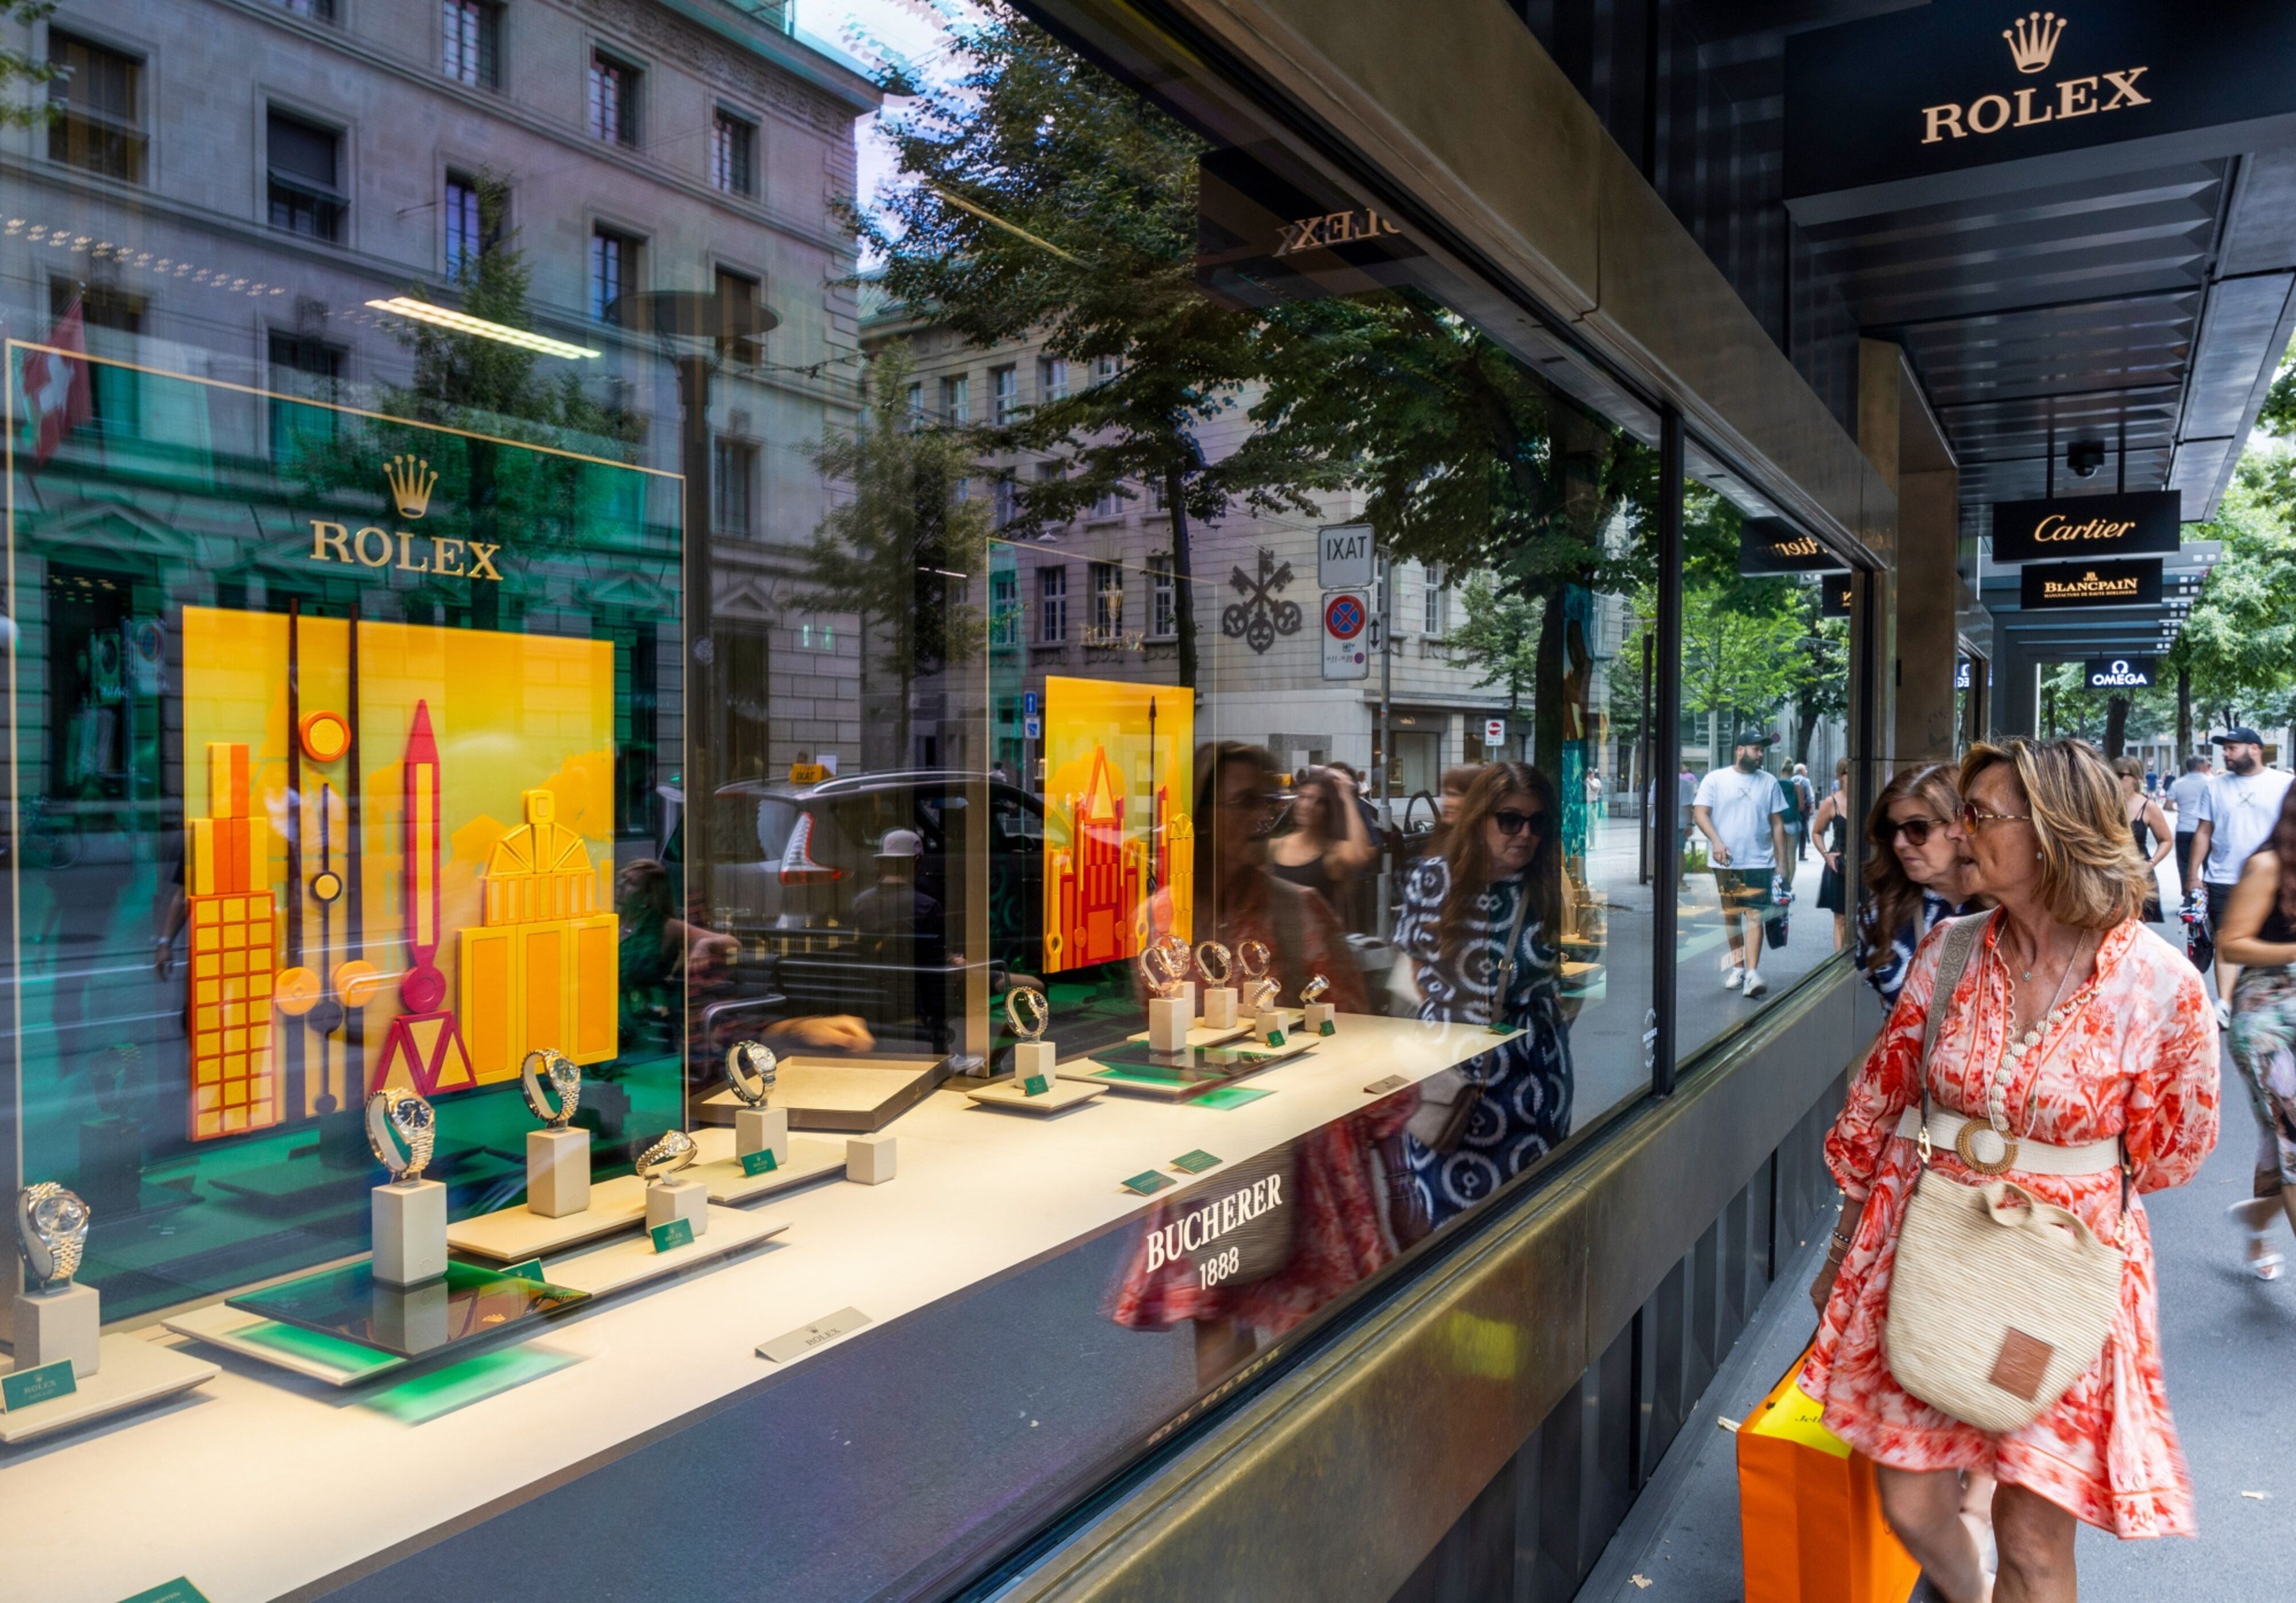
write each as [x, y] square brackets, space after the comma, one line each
[2238, 737]
[1755, 738]
[901, 842]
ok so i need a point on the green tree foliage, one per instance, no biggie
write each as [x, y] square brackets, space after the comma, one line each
[19, 67]
[1498, 638]
[2239, 643]
[896, 548]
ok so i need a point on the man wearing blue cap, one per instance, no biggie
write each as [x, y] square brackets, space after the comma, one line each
[1741, 810]
[2235, 816]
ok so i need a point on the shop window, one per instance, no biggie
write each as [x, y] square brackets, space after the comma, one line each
[96, 108]
[613, 272]
[1052, 605]
[733, 486]
[613, 100]
[471, 42]
[306, 176]
[733, 153]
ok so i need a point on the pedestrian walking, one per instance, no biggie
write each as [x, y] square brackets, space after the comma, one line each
[2072, 1041]
[2260, 934]
[1323, 846]
[2185, 805]
[2147, 827]
[1831, 824]
[1916, 878]
[1805, 800]
[2234, 818]
[1741, 811]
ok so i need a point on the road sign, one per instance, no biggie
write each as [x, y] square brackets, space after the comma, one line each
[1343, 559]
[1028, 704]
[1032, 728]
[1346, 636]
[1494, 731]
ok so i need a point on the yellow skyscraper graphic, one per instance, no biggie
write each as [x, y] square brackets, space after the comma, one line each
[542, 970]
[234, 957]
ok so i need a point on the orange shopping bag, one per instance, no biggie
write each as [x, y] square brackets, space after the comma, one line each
[1810, 1521]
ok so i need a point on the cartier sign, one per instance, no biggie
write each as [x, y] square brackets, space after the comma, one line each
[2042, 587]
[2143, 525]
[1774, 546]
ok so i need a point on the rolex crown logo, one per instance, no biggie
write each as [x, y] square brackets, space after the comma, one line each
[2033, 40]
[412, 481]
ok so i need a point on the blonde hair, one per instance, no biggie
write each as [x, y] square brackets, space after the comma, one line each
[2091, 877]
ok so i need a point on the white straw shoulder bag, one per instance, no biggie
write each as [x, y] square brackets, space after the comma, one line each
[1998, 1301]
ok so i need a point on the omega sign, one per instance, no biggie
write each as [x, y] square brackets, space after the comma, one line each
[2043, 586]
[2143, 525]
[2119, 673]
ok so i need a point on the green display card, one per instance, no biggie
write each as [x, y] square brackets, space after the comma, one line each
[1194, 1163]
[43, 1384]
[1328, 1027]
[677, 1233]
[754, 1164]
[531, 1270]
[1034, 1086]
[1276, 1038]
[1147, 1183]
[1227, 1097]
[178, 1590]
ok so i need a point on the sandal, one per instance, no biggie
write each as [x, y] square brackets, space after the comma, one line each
[2254, 1214]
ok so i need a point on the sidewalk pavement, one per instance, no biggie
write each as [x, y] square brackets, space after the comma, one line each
[2229, 1348]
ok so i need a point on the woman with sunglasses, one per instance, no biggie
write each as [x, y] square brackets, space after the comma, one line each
[1478, 925]
[1915, 876]
[2076, 1058]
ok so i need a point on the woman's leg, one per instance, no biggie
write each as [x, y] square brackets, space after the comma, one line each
[2036, 1540]
[1924, 1508]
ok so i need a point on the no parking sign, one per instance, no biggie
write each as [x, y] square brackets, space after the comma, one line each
[1347, 635]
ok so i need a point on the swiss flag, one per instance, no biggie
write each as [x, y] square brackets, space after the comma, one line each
[55, 386]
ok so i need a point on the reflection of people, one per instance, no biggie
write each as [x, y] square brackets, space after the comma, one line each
[1478, 923]
[1805, 804]
[1335, 1176]
[897, 921]
[2117, 1064]
[1595, 791]
[2184, 801]
[2234, 818]
[1831, 825]
[2259, 934]
[2147, 828]
[1327, 849]
[1741, 810]
[1915, 877]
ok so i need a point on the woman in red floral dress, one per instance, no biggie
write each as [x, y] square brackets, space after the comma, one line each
[2072, 1023]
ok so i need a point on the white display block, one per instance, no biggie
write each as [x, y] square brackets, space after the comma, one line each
[1268, 1025]
[1057, 1096]
[686, 1199]
[870, 1159]
[1169, 1021]
[762, 1130]
[53, 1326]
[1320, 1014]
[135, 1373]
[1031, 1058]
[557, 1171]
[1219, 1007]
[410, 1232]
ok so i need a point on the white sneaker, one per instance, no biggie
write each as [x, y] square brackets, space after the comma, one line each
[1733, 978]
[2223, 1014]
[1754, 986]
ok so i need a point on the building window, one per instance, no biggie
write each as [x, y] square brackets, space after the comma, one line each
[613, 272]
[737, 314]
[97, 107]
[1004, 607]
[306, 176]
[957, 401]
[1052, 378]
[734, 154]
[1103, 369]
[1163, 598]
[302, 369]
[1005, 496]
[1053, 603]
[472, 51]
[1108, 506]
[1435, 603]
[318, 11]
[917, 404]
[613, 100]
[470, 233]
[1005, 394]
[1107, 603]
[734, 487]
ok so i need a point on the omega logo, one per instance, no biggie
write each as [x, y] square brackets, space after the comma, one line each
[2119, 673]
[2032, 45]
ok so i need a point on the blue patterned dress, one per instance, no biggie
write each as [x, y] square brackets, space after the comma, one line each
[1888, 976]
[1525, 1108]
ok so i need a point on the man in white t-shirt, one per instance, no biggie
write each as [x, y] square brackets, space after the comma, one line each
[2236, 816]
[2184, 801]
[1741, 810]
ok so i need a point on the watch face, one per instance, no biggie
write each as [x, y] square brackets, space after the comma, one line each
[415, 1115]
[59, 1213]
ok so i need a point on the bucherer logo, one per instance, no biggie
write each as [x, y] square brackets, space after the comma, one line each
[411, 481]
[2032, 46]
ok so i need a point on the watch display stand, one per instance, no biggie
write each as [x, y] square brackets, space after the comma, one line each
[682, 1198]
[798, 1160]
[514, 1234]
[557, 1171]
[410, 1232]
[1321, 1018]
[1169, 1020]
[1219, 1007]
[849, 1096]
[1268, 1027]
[1033, 1060]
[66, 1323]
[762, 1130]
[133, 1373]
[870, 1159]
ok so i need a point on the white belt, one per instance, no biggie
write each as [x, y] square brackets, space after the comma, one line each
[1978, 1145]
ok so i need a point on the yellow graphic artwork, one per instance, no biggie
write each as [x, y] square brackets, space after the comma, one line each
[1118, 826]
[523, 732]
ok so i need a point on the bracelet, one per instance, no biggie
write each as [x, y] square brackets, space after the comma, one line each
[1847, 1241]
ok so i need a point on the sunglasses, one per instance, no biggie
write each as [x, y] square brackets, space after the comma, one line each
[1917, 830]
[1973, 817]
[1513, 822]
